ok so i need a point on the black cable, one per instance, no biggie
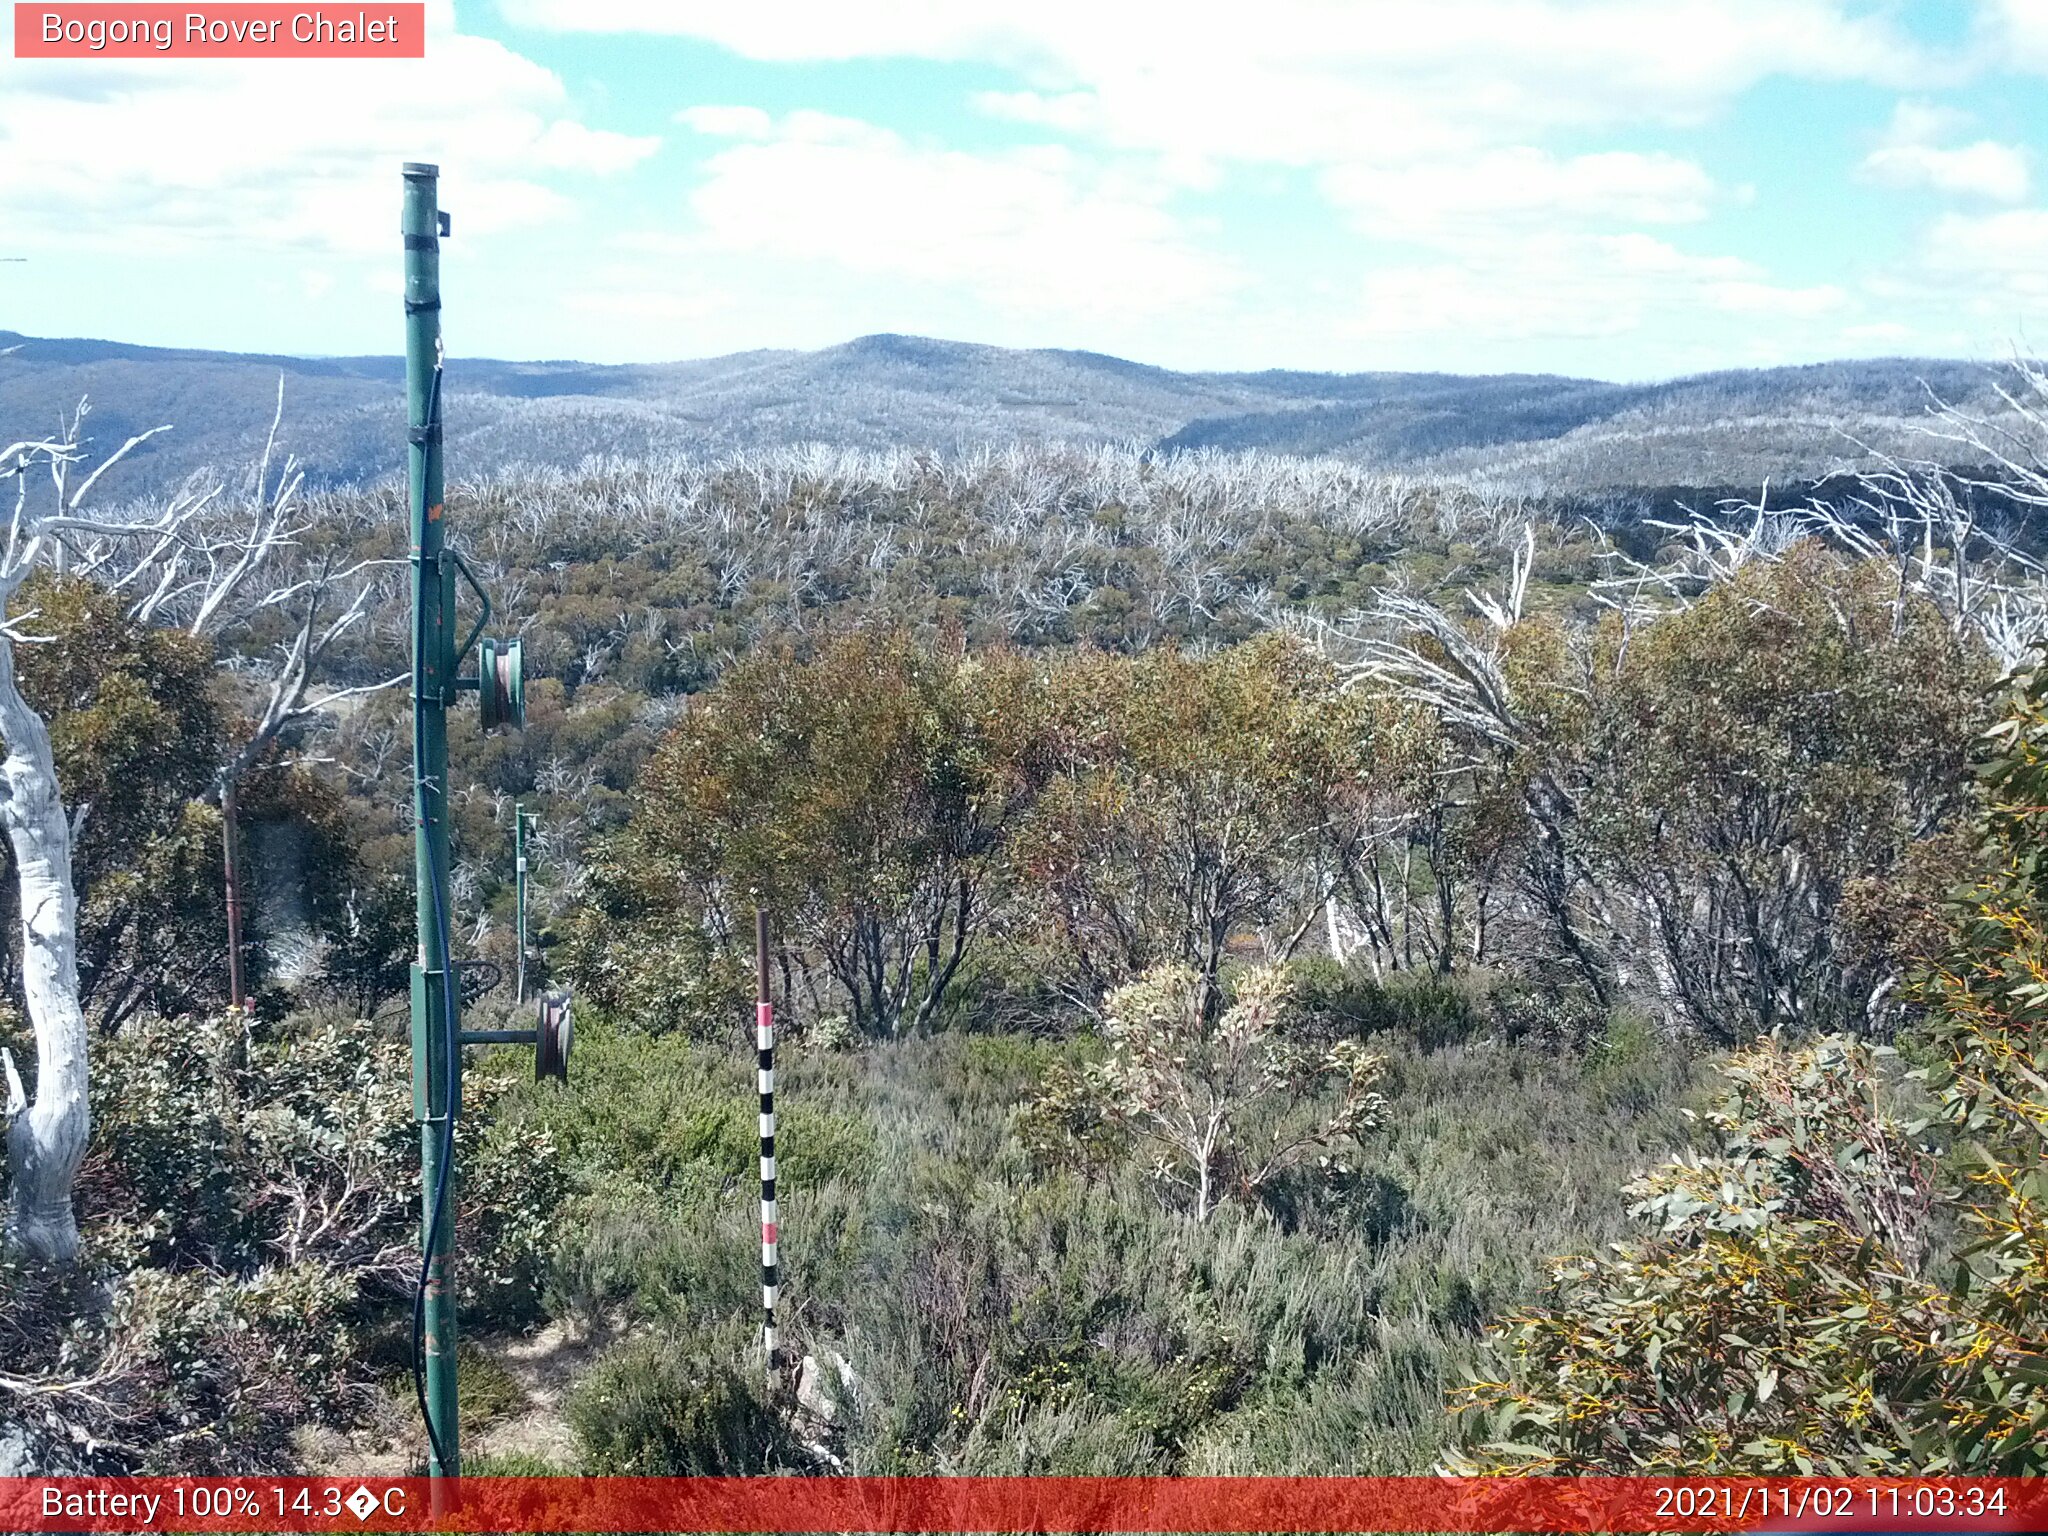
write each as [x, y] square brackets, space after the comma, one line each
[448, 1020]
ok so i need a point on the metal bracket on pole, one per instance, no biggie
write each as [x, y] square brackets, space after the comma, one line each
[483, 598]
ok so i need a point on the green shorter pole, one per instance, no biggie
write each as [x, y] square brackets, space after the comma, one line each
[519, 852]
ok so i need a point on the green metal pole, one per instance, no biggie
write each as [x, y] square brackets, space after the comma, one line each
[519, 852]
[436, 1057]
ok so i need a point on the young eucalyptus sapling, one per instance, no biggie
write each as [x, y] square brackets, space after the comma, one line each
[1218, 1101]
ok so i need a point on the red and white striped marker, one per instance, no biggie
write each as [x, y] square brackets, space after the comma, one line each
[764, 1045]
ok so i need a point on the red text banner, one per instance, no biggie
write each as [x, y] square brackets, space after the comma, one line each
[260, 30]
[1004, 1504]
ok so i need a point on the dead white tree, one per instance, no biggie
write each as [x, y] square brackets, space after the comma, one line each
[189, 560]
[46, 1134]
[1419, 652]
[1953, 532]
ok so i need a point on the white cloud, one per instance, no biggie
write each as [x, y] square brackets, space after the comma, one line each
[1911, 157]
[567, 145]
[176, 155]
[2013, 33]
[1975, 283]
[642, 294]
[1033, 229]
[1520, 184]
[1915, 121]
[1311, 82]
[728, 122]
[1573, 287]
[1984, 169]
[1458, 128]
[1420, 124]
[1999, 258]
[1758, 298]
[1065, 111]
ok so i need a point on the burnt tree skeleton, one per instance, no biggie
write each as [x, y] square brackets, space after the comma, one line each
[189, 567]
[47, 1134]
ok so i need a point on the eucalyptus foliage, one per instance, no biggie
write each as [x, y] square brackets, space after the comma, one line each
[1801, 1306]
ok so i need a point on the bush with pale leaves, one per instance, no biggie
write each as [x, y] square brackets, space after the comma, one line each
[1215, 1093]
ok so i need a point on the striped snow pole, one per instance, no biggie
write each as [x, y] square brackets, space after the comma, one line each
[764, 1045]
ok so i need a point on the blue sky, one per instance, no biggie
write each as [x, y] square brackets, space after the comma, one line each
[1618, 188]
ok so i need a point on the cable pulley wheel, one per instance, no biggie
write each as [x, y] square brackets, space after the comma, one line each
[553, 1035]
[501, 685]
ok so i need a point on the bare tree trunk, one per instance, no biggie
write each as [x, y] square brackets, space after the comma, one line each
[46, 1138]
[46, 1141]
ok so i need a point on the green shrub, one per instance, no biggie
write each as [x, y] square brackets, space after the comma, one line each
[1002, 990]
[1629, 1065]
[1347, 1000]
[626, 956]
[656, 1254]
[678, 1116]
[124, 1368]
[999, 1318]
[237, 1146]
[1800, 1307]
[489, 1391]
[1769, 1327]
[252, 1214]
[664, 1406]
[510, 1464]
[1548, 1011]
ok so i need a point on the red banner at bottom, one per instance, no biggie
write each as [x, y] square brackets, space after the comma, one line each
[1004, 1504]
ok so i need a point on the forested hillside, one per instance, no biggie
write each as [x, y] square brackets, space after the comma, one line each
[1531, 433]
[1253, 932]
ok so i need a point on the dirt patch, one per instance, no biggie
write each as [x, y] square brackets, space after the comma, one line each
[388, 1443]
[545, 1365]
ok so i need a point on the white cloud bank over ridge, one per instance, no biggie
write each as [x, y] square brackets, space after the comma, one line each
[1454, 174]
[1574, 285]
[1309, 81]
[1998, 258]
[1430, 131]
[1520, 185]
[1029, 229]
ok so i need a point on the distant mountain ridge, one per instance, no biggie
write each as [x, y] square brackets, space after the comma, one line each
[1541, 432]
